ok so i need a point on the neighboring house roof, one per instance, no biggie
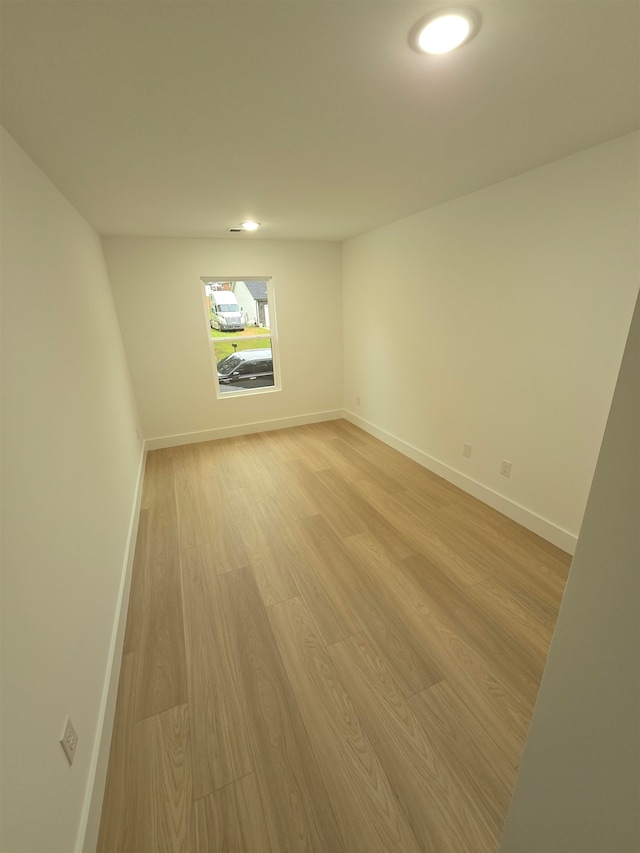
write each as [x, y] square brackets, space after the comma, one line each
[258, 289]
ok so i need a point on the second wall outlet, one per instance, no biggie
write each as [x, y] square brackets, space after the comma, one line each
[466, 450]
[69, 741]
[505, 468]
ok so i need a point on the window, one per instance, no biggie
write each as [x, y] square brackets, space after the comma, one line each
[241, 325]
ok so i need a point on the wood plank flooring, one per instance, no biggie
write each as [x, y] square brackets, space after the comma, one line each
[328, 649]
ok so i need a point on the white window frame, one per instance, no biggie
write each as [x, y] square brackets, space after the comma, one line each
[273, 336]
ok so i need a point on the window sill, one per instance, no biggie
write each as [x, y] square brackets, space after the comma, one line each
[243, 392]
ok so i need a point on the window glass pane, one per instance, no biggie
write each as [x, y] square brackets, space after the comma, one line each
[242, 330]
[238, 306]
[243, 365]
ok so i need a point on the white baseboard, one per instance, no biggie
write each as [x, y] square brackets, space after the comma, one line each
[241, 429]
[537, 524]
[90, 819]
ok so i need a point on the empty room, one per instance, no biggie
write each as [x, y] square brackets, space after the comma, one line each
[320, 453]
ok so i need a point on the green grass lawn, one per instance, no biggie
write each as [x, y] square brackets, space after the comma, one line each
[224, 340]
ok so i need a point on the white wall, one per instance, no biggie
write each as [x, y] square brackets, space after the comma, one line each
[158, 295]
[499, 319]
[578, 790]
[70, 463]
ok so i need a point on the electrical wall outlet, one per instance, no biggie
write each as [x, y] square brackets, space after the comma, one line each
[466, 450]
[69, 741]
[505, 468]
[357, 401]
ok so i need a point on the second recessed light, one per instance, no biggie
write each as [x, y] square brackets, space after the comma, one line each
[250, 225]
[444, 30]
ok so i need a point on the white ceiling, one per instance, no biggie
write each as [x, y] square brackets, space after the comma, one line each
[316, 118]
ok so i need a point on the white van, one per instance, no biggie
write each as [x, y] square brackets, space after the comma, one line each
[224, 311]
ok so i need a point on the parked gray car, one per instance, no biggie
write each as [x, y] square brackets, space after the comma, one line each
[246, 370]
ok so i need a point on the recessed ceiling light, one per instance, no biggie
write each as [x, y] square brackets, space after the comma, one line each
[444, 30]
[250, 225]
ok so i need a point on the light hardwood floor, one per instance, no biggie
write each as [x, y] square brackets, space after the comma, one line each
[328, 648]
